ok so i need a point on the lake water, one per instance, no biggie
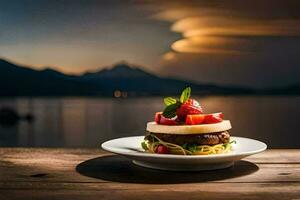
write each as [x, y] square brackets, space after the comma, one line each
[87, 122]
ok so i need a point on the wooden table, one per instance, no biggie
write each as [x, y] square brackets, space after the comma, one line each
[89, 174]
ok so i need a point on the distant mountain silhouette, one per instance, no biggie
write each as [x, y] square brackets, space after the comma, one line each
[19, 81]
[133, 81]
[288, 90]
[119, 70]
[53, 72]
[136, 81]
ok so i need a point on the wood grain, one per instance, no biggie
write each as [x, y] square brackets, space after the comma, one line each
[27, 173]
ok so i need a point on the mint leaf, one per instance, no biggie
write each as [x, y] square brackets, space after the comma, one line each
[170, 110]
[169, 101]
[185, 95]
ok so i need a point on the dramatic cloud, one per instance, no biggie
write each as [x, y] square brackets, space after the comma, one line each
[212, 30]
[253, 43]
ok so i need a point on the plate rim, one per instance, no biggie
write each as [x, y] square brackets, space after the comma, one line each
[172, 156]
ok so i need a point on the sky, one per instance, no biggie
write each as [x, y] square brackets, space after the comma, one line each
[249, 43]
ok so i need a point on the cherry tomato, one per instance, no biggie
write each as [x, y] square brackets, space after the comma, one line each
[161, 149]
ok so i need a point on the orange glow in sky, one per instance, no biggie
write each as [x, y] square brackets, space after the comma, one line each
[211, 32]
[190, 39]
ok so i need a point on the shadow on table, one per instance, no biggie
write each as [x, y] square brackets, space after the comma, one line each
[119, 169]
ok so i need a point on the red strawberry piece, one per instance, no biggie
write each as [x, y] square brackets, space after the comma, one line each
[190, 107]
[167, 121]
[194, 119]
[157, 117]
[213, 118]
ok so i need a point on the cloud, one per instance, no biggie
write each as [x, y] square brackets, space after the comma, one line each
[276, 64]
[220, 25]
[252, 43]
[218, 28]
[211, 45]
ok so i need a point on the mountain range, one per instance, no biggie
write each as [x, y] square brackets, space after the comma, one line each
[122, 79]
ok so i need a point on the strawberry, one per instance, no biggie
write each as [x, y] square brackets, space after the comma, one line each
[194, 119]
[167, 121]
[190, 107]
[213, 118]
[157, 117]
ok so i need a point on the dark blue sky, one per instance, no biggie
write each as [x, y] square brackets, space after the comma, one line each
[254, 43]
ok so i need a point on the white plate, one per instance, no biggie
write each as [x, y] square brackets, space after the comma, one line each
[130, 147]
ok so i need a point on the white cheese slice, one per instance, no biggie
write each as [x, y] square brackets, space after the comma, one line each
[189, 129]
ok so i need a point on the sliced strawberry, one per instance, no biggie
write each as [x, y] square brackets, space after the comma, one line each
[194, 119]
[190, 107]
[161, 149]
[157, 117]
[167, 121]
[213, 118]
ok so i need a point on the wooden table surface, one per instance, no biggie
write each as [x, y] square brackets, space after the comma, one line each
[29, 173]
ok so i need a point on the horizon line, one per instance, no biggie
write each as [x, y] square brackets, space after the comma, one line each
[45, 67]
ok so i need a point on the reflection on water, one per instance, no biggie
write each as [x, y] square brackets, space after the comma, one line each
[87, 122]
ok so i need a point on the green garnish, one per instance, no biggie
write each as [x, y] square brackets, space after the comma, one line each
[173, 104]
[170, 111]
[231, 142]
[185, 95]
[144, 145]
[190, 147]
[169, 101]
